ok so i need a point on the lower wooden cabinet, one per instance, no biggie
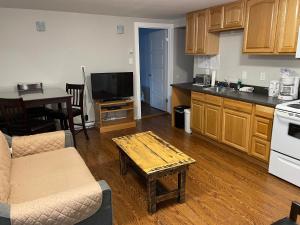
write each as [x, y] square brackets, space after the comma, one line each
[197, 122]
[236, 129]
[262, 128]
[212, 121]
[244, 126]
[260, 148]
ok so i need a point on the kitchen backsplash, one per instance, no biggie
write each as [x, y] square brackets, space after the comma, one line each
[231, 64]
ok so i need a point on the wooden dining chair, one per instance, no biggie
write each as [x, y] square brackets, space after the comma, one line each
[17, 120]
[292, 219]
[77, 92]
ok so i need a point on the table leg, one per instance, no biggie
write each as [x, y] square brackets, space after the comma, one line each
[151, 189]
[181, 186]
[70, 118]
[123, 163]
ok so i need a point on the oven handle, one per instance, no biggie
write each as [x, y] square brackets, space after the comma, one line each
[287, 118]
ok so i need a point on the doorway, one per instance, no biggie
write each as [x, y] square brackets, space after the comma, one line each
[138, 94]
[153, 49]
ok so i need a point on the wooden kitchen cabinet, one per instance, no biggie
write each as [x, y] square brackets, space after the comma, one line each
[260, 27]
[197, 122]
[262, 132]
[215, 18]
[236, 129]
[260, 148]
[198, 40]
[288, 26]
[262, 128]
[190, 33]
[234, 15]
[212, 121]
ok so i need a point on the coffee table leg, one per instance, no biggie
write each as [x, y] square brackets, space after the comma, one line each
[123, 163]
[181, 186]
[151, 188]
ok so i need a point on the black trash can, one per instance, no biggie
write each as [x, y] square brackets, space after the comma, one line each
[179, 115]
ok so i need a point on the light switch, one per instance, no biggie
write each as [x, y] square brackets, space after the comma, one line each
[130, 61]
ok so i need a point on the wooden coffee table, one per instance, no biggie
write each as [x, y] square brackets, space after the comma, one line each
[154, 158]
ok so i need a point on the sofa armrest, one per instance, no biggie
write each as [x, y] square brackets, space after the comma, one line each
[33, 144]
[68, 207]
[104, 215]
[4, 214]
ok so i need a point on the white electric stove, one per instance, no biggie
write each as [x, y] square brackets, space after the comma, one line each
[285, 144]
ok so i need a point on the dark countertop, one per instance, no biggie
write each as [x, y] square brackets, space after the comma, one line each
[256, 98]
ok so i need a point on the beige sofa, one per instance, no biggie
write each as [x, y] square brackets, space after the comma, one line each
[45, 181]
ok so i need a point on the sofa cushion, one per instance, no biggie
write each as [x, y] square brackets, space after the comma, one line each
[5, 169]
[39, 175]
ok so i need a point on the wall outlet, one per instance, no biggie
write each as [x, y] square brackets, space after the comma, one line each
[262, 76]
[244, 75]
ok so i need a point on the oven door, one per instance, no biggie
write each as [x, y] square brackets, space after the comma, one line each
[286, 134]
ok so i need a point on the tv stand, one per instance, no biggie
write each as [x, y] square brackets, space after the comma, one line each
[107, 118]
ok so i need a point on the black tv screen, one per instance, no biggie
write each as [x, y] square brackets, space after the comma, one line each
[112, 86]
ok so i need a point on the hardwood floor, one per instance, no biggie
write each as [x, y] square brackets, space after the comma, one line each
[221, 187]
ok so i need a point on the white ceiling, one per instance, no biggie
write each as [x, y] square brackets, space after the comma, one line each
[159, 9]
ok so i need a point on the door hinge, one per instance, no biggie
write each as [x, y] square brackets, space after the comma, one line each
[167, 100]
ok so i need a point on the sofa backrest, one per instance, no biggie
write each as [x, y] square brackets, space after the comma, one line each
[5, 167]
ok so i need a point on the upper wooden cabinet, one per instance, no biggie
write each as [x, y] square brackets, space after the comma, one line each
[198, 40]
[226, 17]
[234, 15]
[190, 33]
[271, 26]
[215, 18]
[260, 28]
[288, 26]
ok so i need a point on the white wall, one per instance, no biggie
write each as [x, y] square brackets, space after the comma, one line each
[183, 64]
[54, 57]
[231, 62]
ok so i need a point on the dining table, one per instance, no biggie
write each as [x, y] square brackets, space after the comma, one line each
[48, 95]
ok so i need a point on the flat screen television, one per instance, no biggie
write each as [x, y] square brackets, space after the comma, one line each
[112, 86]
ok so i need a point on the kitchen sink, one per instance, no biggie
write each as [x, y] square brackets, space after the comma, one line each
[219, 89]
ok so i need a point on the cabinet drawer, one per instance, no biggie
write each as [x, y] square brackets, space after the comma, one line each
[198, 96]
[214, 100]
[262, 128]
[260, 149]
[264, 111]
[237, 105]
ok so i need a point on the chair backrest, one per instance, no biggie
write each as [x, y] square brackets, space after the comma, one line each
[295, 211]
[77, 91]
[30, 87]
[15, 116]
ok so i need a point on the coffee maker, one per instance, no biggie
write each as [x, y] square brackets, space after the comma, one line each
[289, 85]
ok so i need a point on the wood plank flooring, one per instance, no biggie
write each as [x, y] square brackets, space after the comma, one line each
[221, 188]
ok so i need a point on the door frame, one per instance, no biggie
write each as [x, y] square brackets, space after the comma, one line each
[137, 77]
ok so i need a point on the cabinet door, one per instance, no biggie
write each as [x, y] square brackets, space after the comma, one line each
[190, 34]
[197, 116]
[260, 149]
[236, 129]
[260, 28]
[234, 15]
[215, 18]
[288, 26]
[201, 32]
[262, 128]
[212, 121]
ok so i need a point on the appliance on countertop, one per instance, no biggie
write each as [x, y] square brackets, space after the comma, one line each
[203, 80]
[274, 88]
[285, 143]
[289, 85]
